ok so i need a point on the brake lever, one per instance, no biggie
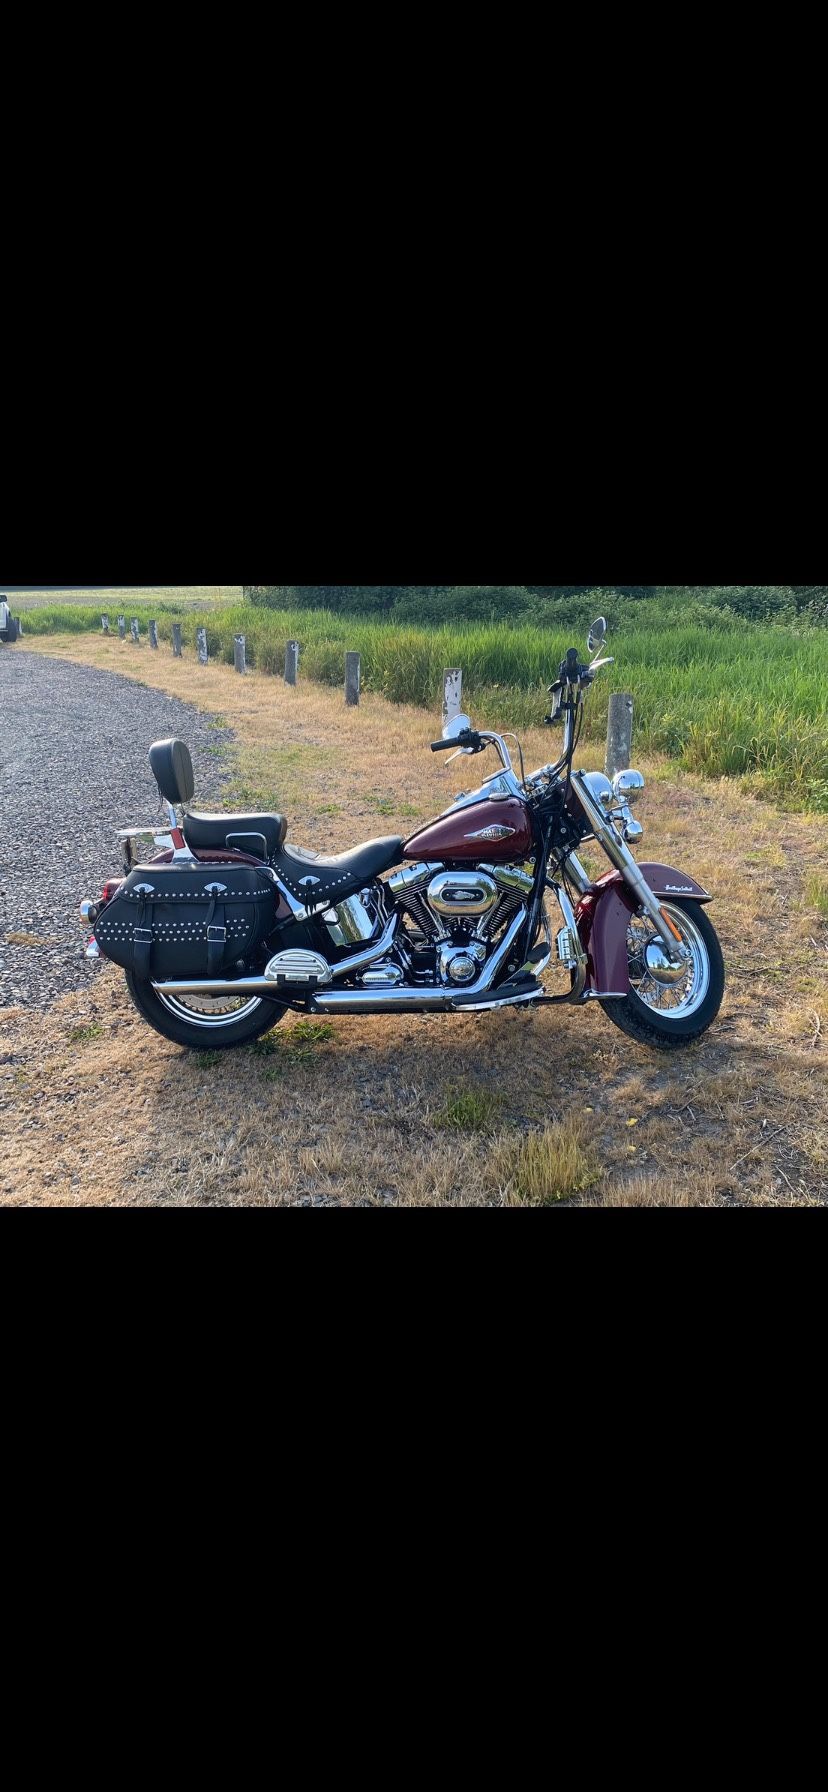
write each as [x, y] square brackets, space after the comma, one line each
[467, 752]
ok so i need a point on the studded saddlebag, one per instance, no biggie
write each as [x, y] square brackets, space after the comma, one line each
[180, 921]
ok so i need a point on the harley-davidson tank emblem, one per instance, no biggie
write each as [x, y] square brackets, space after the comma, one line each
[495, 832]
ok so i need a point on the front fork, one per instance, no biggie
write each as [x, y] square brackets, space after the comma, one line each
[619, 854]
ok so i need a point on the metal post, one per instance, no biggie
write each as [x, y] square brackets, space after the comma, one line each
[240, 653]
[177, 640]
[292, 662]
[122, 628]
[619, 733]
[452, 695]
[105, 624]
[353, 677]
[202, 646]
[154, 634]
[135, 630]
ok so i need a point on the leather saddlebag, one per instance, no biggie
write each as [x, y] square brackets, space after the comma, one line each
[180, 921]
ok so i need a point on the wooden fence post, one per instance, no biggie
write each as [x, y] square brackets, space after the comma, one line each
[292, 662]
[154, 634]
[105, 624]
[202, 646]
[122, 628]
[177, 640]
[452, 695]
[135, 630]
[353, 679]
[240, 653]
[619, 733]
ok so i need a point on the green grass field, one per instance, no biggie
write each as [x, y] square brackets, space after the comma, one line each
[721, 695]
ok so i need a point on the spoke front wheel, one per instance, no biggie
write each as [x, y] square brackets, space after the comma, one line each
[668, 1005]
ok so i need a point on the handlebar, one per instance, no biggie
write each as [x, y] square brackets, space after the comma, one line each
[468, 738]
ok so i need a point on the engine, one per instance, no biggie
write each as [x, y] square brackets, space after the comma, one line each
[454, 918]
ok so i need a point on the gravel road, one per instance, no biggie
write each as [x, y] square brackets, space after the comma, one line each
[73, 770]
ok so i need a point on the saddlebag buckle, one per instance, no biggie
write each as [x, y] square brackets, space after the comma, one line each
[216, 948]
[142, 938]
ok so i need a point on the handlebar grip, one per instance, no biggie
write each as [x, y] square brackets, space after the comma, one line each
[443, 746]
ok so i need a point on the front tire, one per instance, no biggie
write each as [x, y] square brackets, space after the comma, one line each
[667, 1017]
[204, 1024]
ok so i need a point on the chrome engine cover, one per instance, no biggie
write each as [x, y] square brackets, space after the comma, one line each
[461, 964]
[462, 893]
[384, 974]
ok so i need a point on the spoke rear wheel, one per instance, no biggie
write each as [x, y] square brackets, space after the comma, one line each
[204, 1023]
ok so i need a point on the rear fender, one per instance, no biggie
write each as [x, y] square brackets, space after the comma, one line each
[603, 917]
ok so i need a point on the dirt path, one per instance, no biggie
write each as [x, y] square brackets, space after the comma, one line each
[97, 1109]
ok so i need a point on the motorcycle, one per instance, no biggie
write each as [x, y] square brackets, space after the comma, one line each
[228, 926]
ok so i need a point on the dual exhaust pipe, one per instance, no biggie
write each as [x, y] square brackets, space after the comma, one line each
[362, 1001]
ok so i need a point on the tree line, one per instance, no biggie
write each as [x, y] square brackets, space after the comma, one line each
[433, 604]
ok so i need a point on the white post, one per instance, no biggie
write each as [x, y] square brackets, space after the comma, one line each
[619, 733]
[154, 635]
[240, 653]
[202, 646]
[105, 624]
[452, 695]
[122, 628]
[177, 640]
[292, 662]
[135, 630]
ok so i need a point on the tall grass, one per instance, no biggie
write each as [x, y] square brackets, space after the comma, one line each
[723, 696]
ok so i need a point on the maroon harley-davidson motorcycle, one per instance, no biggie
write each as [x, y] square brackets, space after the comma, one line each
[223, 925]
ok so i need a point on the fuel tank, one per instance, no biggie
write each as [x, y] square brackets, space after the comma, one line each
[498, 832]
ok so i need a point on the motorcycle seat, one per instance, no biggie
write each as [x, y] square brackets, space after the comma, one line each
[314, 880]
[260, 836]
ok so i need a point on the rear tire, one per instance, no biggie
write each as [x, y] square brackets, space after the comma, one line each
[645, 1023]
[213, 1033]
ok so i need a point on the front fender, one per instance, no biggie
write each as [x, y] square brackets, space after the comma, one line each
[603, 917]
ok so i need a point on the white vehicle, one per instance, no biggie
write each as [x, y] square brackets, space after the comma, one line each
[9, 626]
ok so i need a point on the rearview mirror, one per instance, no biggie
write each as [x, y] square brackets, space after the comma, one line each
[456, 727]
[597, 634]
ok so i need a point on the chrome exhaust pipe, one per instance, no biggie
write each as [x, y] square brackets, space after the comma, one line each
[370, 954]
[417, 1001]
[362, 1001]
[267, 986]
[213, 986]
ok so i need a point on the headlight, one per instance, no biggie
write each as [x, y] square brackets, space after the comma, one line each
[628, 786]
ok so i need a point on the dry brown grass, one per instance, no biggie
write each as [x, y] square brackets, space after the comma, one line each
[550, 1165]
[97, 1109]
[117, 598]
